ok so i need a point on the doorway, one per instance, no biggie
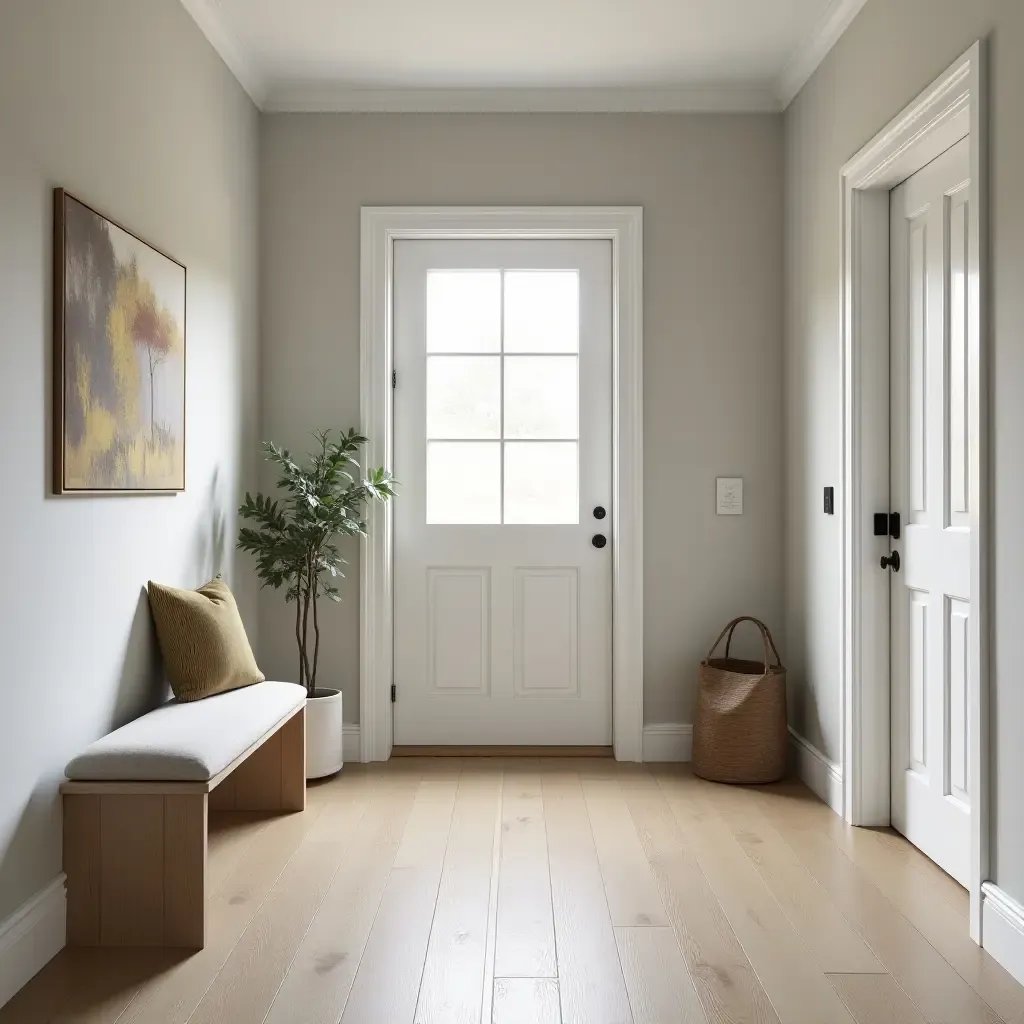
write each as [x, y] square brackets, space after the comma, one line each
[914, 671]
[620, 229]
[503, 427]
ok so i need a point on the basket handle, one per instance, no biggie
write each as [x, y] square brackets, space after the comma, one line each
[769, 643]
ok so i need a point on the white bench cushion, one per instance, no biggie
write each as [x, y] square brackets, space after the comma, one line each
[187, 742]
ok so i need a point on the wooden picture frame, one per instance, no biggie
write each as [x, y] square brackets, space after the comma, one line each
[119, 356]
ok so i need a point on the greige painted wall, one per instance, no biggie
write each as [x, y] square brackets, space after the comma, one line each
[711, 188]
[125, 104]
[892, 51]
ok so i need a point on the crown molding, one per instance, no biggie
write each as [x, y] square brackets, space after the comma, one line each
[206, 14]
[815, 47]
[326, 99]
[318, 98]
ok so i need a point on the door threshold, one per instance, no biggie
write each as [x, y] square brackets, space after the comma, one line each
[500, 751]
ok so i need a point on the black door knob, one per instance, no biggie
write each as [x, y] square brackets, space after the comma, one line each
[599, 512]
[599, 540]
[891, 561]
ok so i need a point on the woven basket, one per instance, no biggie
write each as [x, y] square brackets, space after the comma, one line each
[739, 731]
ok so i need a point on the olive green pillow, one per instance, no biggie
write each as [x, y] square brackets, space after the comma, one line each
[202, 640]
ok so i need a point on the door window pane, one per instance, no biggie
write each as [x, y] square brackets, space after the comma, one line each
[502, 396]
[542, 311]
[541, 397]
[463, 311]
[541, 482]
[463, 482]
[464, 397]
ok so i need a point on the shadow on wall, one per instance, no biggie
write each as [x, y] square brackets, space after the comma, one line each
[803, 712]
[140, 687]
[39, 816]
[211, 537]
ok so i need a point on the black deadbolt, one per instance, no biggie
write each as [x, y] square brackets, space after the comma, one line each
[599, 540]
[892, 561]
[887, 524]
[599, 512]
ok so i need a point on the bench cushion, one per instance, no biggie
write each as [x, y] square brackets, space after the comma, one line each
[187, 742]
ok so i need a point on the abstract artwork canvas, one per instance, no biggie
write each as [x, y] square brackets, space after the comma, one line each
[119, 358]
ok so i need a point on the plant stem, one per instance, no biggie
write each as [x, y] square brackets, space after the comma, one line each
[316, 632]
[305, 635]
[298, 636]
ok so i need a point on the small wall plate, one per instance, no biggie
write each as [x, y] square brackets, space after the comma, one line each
[729, 496]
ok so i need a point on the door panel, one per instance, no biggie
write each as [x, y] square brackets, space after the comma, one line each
[930, 483]
[503, 449]
[546, 632]
[459, 630]
[957, 623]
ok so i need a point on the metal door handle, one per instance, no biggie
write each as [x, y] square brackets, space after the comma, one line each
[599, 540]
[891, 561]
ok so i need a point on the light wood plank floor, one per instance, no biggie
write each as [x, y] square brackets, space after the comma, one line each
[550, 891]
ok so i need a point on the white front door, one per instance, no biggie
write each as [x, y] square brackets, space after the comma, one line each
[930, 484]
[503, 428]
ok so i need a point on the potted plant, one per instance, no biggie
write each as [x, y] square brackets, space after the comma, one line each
[294, 540]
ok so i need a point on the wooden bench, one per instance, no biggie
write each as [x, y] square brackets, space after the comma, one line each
[136, 804]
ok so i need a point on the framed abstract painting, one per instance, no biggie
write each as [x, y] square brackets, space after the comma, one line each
[118, 358]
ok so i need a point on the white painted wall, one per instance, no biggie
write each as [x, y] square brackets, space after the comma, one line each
[127, 105]
[893, 49]
[711, 188]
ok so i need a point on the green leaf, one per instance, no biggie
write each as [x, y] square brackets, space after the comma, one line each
[318, 500]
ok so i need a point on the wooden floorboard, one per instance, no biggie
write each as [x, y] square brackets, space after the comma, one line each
[796, 986]
[660, 988]
[549, 890]
[518, 1000]
[387, 983]
[452, 987]
[246, 985]
[828, 936]
[320, 978]
[876, 999]
[725, 981]
[525, 937]
[591, 987]
[918, 968]
[629, 885]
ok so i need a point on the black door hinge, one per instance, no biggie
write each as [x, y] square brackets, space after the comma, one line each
[392, 693]
[394, 378]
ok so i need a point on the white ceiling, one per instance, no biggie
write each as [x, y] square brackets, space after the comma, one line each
[523, 54]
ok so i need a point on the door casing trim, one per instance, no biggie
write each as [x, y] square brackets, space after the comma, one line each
[623, 227]
[951, 108]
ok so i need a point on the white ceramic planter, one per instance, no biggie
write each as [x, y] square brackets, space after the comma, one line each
[324, 731]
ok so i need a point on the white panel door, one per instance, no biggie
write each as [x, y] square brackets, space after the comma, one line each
[931, 473]
[503, 427]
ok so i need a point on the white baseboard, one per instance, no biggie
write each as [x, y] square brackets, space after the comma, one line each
[821, 775]
[31, 937]
[668, 741]
[1002, 929]
[350, 742]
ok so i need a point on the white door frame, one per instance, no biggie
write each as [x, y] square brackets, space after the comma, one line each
[623, 227]
[952, 108]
